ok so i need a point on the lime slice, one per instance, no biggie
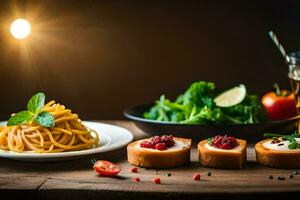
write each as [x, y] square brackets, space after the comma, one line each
[231, 97]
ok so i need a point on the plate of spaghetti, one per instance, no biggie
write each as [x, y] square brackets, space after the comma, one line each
[50, 132]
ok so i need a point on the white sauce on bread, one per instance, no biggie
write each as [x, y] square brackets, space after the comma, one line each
[281, 146]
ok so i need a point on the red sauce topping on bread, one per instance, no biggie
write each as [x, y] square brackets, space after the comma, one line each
[224, 142]
[159, 142]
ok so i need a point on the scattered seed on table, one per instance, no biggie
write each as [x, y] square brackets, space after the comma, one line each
[270, 177]
[137, 179]
[134, 169]
[295, 172]
[281, 178]
[168, 174]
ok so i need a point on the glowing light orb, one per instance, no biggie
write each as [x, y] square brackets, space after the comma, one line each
[20, 29]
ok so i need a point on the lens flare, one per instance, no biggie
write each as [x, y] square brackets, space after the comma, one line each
[20, 29]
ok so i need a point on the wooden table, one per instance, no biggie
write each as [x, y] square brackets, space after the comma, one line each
[77, 180]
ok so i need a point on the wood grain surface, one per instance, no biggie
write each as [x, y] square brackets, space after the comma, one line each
[76, 179]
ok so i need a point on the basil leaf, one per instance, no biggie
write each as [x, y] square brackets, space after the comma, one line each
[20, 118]
[293, 144]
[36, 103]
[45, 119]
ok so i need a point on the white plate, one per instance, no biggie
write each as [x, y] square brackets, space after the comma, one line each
[111, 138]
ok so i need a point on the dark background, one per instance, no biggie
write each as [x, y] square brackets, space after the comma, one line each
[98, 57]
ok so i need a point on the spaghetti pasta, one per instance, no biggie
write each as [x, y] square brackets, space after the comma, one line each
[68, 134]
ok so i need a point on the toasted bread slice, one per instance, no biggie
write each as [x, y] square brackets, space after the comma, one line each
[222, 158]
[151, 158]
[276, 158]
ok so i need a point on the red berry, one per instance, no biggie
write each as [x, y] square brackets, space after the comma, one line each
[161, 146]
[145, 144]
[168, 140]
[156, 180]
[232, 141]
[231, 138]
[136, 179]
[225, 146]
[196, 176]
[134, 169]
[148, 144]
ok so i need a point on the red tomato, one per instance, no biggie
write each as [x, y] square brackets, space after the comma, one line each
[279, 106]
[106, 168]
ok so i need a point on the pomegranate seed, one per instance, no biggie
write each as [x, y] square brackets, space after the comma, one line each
[134, 169]
[137, 179]
[196, 176]
[161, 146]
[156, 180]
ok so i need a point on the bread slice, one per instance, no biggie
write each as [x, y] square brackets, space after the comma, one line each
[276, 158]
[222, 158]
[151, 158]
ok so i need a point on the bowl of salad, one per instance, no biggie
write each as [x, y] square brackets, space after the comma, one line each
[201, 112]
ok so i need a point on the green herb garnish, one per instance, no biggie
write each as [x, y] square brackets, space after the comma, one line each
[209, 140]
[34, 113]
[292, 141]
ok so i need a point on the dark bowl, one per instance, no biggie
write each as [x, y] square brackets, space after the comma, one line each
[250, 132]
